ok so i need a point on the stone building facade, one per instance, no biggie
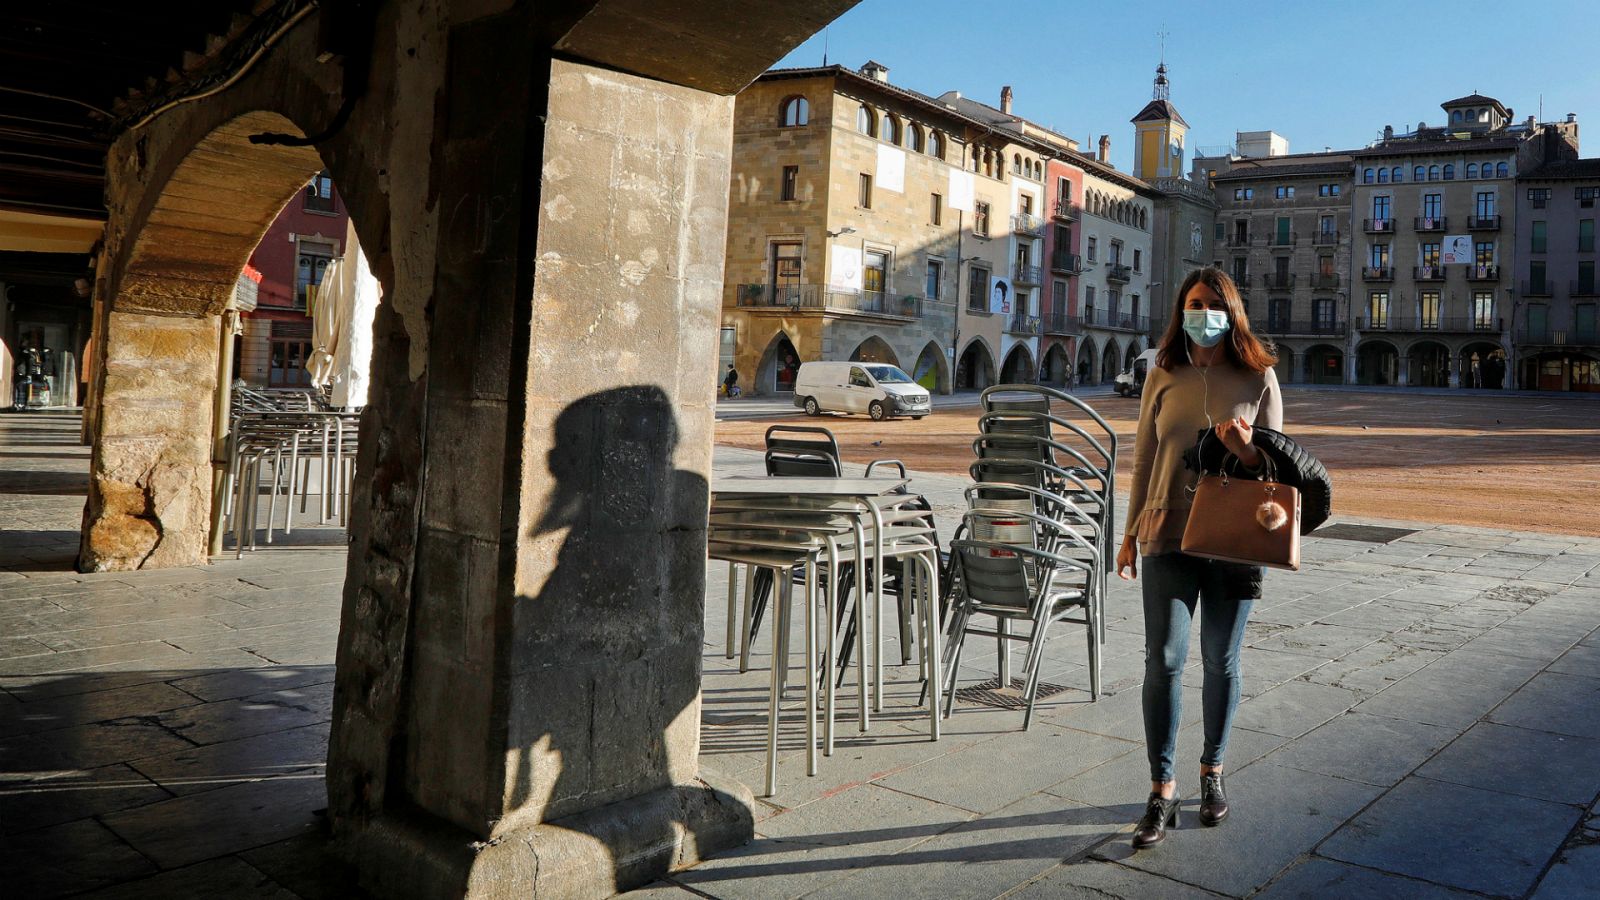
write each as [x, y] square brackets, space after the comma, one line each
[1118, 211]
[1061, 324]
[1557, 337]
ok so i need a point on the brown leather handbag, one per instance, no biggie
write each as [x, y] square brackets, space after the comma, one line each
[1245, 520]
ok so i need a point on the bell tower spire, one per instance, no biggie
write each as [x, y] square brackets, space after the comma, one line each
[1161, 90]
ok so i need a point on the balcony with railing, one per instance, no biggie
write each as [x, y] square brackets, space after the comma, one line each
[1430, 223]
[1558, 336]
[1105, 318]
[1377, 273]
[1436, 324]
[1427, 273]
[1236, 239]
[1377, 226]
[1119, 273]
[1324, 281]
[1063, 208]
[818, 299]
[1483, 223]
[1581, 288]
[1023, 273]
[1022, 324]
[1302, 328]
[1066, 263]
[1483, 273]
[1325, 239]
[1278, 281]
[1061, 323]
[1542, 288]
[1283, 238]
[1027, 225]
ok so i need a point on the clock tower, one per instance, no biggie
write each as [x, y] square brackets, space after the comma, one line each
[1158, 135]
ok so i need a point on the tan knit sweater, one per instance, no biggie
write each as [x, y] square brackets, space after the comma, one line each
[1171, 414]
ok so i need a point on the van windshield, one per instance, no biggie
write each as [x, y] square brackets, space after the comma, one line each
[889, 375]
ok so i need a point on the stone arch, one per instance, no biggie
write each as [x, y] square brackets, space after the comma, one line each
[1428, 364]
[1110, 356]
[1483, 364]
[1018, 367]
[1057, 366]
[933, 369]
[975, 366]
[1087, 372]
[1132, 354]
[779, 363]
[875, 349]
[1325, 364]
[1285, 364]
[1377, 362]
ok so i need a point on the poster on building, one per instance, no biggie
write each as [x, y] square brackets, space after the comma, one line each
[1457, 249]
[844, 270]
[962, 188]
[999, 296]
[891, 169]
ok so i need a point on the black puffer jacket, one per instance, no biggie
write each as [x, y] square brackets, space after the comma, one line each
[1295, 467]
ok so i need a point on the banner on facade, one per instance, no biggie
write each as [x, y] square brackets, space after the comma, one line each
[962, 188]
[999, 296]
[891, 169]
[1457, 249]
[844, 270]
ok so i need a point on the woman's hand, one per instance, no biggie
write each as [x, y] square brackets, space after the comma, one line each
[1235, 434]
[1128, 559]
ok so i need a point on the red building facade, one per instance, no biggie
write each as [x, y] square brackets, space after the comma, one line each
[1058, 305]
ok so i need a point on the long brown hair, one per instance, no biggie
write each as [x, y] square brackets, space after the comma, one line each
[1245, 350]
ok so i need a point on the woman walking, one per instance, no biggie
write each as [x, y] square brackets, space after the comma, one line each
[1210, 371]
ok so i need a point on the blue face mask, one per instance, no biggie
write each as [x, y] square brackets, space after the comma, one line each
[1205, 326]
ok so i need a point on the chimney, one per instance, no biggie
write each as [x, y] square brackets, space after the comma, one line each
[875, 70]
[1388, 132]
[1572, 118]
[1005, 99]
[1105, 148]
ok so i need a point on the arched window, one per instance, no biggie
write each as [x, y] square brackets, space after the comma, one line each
[988, 163]
[1016, 163]
[1449, 172]
[1483, 115]
[889, 129]
[1433, 173]
[1395, 174]
[1418, 173]
[866, 121]
[914, 138]
[936, 145]
[1367, 176]
[1383, 176]
[1455, 115]
[796, 111]
[1472, 170]
[1501, 170]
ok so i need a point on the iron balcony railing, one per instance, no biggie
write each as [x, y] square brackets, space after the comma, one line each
[1061, 323]
[1377, 226]
[1064, 208]
[1325, 238]
[1483, 273]
[818, 298]
[1544, 288]
[1022, 273]
[1451, 324]
[1018, 324]
[1067, 263]
[1559, 337]
[1312, 328]
[1278, 281]
[1239, 240]
[1581, 288]
[1105, 318]
[1283, 239]
[1430, 223]
[1377, 273]
[1119, 273]
[1427, 273]
[1483, 223]
[1324, 281]
[1032, 226]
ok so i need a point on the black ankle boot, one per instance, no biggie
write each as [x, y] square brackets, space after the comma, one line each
[1213, 800]
[1158, 814]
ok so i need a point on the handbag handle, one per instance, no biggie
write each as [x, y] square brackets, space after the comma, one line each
[1269, 466]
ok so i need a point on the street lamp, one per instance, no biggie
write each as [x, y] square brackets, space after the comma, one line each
[848, 229]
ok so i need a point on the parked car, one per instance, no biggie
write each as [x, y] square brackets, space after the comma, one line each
[1131, 382]
[876, 389]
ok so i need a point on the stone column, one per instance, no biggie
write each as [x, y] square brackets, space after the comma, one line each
[542, 735]
[149, 501]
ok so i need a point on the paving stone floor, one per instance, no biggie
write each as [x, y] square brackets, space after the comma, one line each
[1421, 719]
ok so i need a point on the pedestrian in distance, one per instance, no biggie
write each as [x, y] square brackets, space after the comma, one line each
[730, 382]
[1210, 371]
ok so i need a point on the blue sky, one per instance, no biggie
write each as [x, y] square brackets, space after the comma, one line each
[1316, 72]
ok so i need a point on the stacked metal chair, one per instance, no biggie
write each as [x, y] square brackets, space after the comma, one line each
[1035, 545]
[288, 442]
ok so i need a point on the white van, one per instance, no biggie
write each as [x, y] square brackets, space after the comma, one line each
[1131, 382]
[877, 389]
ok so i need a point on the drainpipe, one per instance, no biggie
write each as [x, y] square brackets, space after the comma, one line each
[221, 411]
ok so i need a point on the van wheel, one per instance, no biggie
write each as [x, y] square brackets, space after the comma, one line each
[812, 409]
[917, 418]
[877, 411]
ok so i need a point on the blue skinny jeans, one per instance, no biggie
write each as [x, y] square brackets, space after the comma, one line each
[1173, 584]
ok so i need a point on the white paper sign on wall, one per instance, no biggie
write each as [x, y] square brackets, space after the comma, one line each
[891, 169]
[1457, 249]
[962, 188]
[999, 296]
[844, 273]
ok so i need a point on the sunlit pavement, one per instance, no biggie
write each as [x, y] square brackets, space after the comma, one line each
[1422, 718]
